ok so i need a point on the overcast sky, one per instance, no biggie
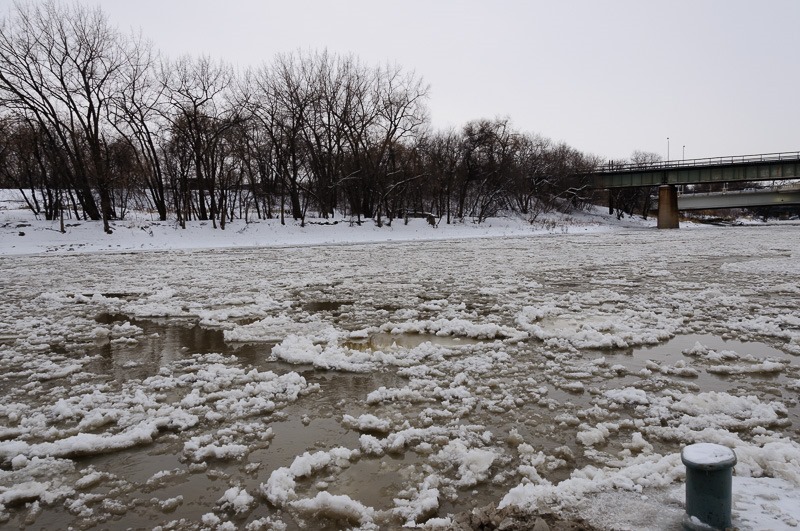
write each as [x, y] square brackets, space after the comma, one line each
[719, 77]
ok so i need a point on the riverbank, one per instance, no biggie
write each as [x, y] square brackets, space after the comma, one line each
[22, 233]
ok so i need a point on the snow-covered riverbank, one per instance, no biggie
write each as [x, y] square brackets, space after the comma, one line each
[22, 233]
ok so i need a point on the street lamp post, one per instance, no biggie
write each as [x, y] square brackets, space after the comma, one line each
[667, 149]
[684, 153]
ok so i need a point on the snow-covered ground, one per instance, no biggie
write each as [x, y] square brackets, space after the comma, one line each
[21, 233]
[534, 371]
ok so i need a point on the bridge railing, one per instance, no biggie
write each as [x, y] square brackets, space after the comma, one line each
[612, 167]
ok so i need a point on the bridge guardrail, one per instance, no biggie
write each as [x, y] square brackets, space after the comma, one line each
[611, 167]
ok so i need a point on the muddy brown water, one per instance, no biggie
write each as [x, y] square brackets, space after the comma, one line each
[298, 427]
[511, 276]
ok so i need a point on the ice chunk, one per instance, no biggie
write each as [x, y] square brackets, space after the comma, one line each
[335, 507]
[367, 423]
[237, 500]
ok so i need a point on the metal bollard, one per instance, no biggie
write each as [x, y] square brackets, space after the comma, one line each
[709, 471]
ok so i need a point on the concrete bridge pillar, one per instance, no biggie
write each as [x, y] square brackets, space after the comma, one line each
[667, 207]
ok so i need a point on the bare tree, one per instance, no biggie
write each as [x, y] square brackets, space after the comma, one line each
[628, 200]
[401, 114]
[324, 131]
[278, 101]
[27, 163]
[60, 67]
[198, 109]
[528, 176]
[135, 114]
[646, 159]
[442, 157]
[488, 159]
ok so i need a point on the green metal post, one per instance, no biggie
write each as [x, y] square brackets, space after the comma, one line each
[709, 470]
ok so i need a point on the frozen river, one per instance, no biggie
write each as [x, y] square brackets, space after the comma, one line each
[380, 385]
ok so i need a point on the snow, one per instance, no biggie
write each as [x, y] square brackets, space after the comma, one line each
[82, 443]
[423, 503]
[270, 382]
[21, 234]
[169, 505]
[197, 451]
[708, 454]
[280, 487]
[236, 499]
[629, 395]
[765, 504]
[367, 423]
[473, 463]
[337, 507]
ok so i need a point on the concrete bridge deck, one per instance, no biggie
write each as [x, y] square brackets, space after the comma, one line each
[739, 199]
[764, 167]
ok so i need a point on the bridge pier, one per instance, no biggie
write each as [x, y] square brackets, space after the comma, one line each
[667, 207]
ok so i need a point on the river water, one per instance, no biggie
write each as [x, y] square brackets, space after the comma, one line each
[475, 353]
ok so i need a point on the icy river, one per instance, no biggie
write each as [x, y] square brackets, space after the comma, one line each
[408, 384]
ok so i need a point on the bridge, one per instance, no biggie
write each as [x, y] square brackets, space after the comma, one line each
[667, 175]
[787, 195]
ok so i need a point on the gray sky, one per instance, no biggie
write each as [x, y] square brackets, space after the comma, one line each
[720, 77]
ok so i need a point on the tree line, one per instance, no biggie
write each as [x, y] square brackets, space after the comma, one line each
[94, 122]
